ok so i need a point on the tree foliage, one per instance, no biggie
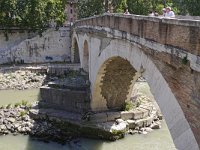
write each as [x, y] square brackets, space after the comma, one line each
[139, 7]
[87, 8]
[191, 7]
[31, 13]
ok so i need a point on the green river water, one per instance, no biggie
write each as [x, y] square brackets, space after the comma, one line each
[156, 140]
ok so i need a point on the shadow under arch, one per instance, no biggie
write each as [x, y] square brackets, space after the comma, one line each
[113, 85]
[75, 57]
[86, 56]
[178, 125]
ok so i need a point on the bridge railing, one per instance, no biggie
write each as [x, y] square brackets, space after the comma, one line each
[180, 33]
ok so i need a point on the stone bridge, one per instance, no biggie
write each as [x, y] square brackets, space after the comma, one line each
[117, 49]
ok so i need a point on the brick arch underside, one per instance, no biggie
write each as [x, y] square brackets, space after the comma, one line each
[116, 82]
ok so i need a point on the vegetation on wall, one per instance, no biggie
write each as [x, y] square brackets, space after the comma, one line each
[32, 14]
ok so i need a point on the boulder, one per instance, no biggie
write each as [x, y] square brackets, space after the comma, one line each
[2, 127]
[116, 128]
[131, 123]
[155, 126]
[11, 120]
[118, 121]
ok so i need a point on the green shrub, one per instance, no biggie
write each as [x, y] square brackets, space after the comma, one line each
[17, 104]
[184, 60]
[128, 106]
[23, 113]
[24, 102]
[8, 106]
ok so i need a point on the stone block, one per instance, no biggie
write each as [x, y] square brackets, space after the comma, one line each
[125, 115]
[149, 121]
[140, 122]
[111, 116]
[118, 121]
[145, 112]
[137, 114]
[99, 117]
[147, 107]
[131, 124]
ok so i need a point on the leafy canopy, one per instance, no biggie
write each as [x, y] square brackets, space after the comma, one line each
[31, 13]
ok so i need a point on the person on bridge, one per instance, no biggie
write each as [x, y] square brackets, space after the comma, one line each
[126, 12]
[169, 13]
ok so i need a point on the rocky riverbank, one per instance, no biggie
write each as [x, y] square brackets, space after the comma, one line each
[16, 120]
[21, 80]
[61, 126]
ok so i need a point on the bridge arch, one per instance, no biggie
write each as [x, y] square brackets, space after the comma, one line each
[125, 53]
[75, 56]
[85, 56]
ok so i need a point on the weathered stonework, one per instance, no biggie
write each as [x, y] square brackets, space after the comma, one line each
[52, 46]
[167, 50]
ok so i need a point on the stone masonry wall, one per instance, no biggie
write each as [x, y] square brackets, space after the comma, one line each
[184, 34]
[65, 99]
[185, 85]
[52, 46]
[172, 44]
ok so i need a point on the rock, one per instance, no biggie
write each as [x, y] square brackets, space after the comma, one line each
[26, 118]
[131, 124]
[27, 129]
[16, 125]
[29, 124]
[121, 127]
[149, 121]
[1, 121]
[11, 120]
[140, 122]
[5, 121]
[144, 132]
[160, 116]
[1, 113]
[155, 126]
[137, 114]
[33, 113]
[2, 127]
[15, 134]
[148, 129]
[8, 126]
[132, 131]
[118, 121]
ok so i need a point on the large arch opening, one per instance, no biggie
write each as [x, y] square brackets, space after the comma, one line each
[113, 85]
[86, 56]
[75, 57]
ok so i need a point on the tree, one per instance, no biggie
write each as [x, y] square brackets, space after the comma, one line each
[31, 13]
[87, 8]
[188, 6]
[139, 7]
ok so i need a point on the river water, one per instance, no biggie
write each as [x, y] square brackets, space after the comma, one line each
[156, 140]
